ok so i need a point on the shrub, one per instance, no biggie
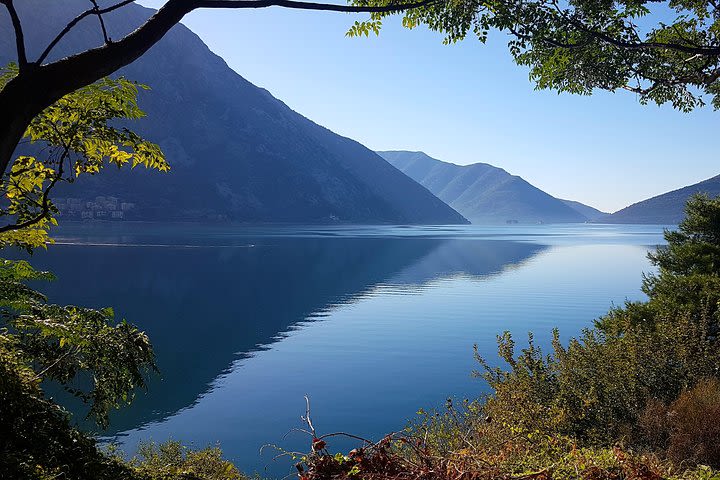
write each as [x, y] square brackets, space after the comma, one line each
[689, 428]
[173, 461]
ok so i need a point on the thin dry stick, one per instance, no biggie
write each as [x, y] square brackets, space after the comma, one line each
[306, 418]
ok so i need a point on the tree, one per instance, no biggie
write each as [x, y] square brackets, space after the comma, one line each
[574, 46]
[75, 137]
[689, 266]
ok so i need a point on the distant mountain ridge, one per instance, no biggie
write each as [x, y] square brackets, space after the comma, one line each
[591, 213]
[665, 209]
[485, 194]
[236, 152]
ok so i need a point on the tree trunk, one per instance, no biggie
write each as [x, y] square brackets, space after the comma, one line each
[20, 101]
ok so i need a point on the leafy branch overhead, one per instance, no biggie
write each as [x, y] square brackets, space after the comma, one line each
[663, 51]
[75, 136]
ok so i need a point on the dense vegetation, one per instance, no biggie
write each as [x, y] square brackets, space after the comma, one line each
[636, 396]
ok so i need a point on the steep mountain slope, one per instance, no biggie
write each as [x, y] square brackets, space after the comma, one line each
[665, 209]
[591, 213]
[237, 153]
[483, 193]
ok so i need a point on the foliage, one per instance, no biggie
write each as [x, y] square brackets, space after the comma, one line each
[37, 440]
[75, 136]
[664, 51]
[689, 266]
[437, 449]
[171, 460]
[596, 389]
[40, 341]
[73, 345]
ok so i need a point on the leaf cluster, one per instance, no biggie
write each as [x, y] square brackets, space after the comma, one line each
[37, 439]
[173, 461]
[77, 135]
[663, 51]
[97, 359]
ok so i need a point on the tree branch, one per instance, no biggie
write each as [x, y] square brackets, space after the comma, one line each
[76, 20]
[327, 7]
[19, 37]
[28, 94]
[571, 19]
[102, 22]
[62, 357]
[191, 5]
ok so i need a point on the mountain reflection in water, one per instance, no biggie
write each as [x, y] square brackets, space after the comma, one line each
[371, 323]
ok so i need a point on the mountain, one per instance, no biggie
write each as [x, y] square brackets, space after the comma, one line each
[665, 209]
[483, 193]
[236, 152]
[591, 213]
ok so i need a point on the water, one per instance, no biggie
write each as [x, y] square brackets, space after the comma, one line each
[371, 323]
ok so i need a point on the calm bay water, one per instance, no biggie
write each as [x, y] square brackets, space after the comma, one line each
[371, 323]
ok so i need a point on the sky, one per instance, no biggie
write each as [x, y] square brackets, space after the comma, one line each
[463, 103]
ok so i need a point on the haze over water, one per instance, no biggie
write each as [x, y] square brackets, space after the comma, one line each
[372, 323]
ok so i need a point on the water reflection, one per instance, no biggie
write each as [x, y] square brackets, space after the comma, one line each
[203, 308]
[372, 326]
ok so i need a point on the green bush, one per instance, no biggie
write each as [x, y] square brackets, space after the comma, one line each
[596, 388]
[171, 461]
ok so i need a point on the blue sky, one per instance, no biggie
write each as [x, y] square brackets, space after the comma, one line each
[463, 103]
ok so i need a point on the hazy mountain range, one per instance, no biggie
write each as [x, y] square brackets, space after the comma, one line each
[236, 152]
[665, 209]
[485, 194]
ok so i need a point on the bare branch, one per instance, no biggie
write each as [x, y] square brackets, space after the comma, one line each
[76, 20]
[102, 22]
[19, 37]
[307, 418]
[62, 357]
[191, 5]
